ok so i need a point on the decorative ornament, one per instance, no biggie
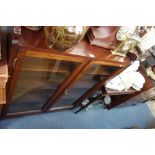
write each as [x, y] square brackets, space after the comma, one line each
[64, 37]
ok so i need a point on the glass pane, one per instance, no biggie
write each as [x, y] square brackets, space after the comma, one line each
[87, 81]
[38, 80]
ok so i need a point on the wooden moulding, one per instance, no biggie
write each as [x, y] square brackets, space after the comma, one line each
[34, 112]
[51, 55]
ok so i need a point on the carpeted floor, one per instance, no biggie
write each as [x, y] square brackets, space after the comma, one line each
[94, 118]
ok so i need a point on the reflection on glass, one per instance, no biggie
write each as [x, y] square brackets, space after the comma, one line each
[38, 80]
[88, 80]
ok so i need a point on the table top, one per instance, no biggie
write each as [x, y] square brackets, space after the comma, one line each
[36, 41]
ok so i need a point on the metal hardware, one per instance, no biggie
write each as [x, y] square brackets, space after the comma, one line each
[66, 92]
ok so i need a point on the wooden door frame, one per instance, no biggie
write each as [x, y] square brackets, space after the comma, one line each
[102, 82]
[17, 65]
[52, 102]
[81, 69]
[18, 55]
[64, 85]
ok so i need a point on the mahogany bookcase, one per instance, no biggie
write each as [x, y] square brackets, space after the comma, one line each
[43, 79]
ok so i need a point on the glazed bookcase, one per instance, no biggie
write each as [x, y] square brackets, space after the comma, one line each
[43, 79]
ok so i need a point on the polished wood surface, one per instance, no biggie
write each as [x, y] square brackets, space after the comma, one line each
[36, 41]
[103, 36]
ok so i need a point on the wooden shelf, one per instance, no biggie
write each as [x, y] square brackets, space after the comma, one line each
[98, 72]
[33, 82]
[116, 92]
[46, 66]
[117, 100]
[83, 84]
[101, 70]
[147, 85]
[34, 93]
[43, 69]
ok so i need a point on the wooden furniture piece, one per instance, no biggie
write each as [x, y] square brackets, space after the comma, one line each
[120, 99]
[43, 79]
[3, 69]
[117, 97]
[89, 78]
[103, 36]
[100, 95]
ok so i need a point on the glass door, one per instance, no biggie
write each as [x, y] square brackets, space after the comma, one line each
[91, 77]
[38, 79]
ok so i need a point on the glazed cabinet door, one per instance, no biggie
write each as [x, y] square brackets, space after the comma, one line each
[38, 79]
[93, 75]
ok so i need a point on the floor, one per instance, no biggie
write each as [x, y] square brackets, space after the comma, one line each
[95, 118]
[151, 105]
